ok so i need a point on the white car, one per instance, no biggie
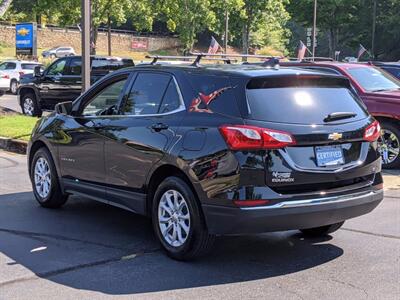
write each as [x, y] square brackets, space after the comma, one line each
[12, 70]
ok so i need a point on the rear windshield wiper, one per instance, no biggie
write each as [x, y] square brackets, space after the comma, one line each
[339, 116]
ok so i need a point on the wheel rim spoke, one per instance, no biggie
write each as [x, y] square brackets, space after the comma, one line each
[389, 146]
[174, 218]
[42, 177]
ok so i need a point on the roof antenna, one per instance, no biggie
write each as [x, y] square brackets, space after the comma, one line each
[272, 63]
[196, 62]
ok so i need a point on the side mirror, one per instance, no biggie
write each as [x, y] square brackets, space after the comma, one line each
[64, 108]
[37, 71]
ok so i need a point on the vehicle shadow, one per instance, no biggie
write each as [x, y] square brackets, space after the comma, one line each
[92, 246]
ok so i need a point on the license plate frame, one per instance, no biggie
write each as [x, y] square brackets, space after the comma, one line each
[329, 156]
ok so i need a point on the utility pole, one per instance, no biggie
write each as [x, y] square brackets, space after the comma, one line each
[109, 35]
[373, 29]
[85, 24]
[314, 29]
[226, 30]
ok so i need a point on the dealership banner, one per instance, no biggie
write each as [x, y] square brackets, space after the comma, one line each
[26, 39]
[140, 44]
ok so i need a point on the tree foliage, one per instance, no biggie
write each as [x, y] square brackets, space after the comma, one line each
[348, 23]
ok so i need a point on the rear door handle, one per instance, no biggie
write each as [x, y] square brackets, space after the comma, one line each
[159, 126]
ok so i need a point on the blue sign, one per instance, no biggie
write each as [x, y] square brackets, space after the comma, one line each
[25, 38]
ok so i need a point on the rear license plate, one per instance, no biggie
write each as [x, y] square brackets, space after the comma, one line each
[329, 156]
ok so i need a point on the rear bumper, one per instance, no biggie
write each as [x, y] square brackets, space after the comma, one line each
[290, 215]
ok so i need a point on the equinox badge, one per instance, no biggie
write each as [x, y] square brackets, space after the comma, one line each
[335, 136]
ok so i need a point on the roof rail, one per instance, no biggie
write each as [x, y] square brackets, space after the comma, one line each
[317, 58]
[187, 58]
[235, 55]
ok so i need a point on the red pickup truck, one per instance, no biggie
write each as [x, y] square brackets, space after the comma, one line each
[381, 94]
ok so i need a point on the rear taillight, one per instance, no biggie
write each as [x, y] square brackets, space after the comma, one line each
[372, 132]
[243, 137]
[5, 76]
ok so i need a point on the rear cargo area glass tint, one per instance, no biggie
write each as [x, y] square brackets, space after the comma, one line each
[301, 104]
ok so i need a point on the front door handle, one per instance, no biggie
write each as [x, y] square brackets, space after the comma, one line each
[159, 126]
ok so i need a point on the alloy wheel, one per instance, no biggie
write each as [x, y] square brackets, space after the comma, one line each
[174, 218]
[389, 146]
[28, 106]
[42, 178]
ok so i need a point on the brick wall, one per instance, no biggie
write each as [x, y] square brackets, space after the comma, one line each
[49, 37]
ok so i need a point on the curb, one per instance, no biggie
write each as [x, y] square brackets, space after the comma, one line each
[12, 145]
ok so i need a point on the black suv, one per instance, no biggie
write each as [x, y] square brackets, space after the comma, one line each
[62, 81]
[213, 150]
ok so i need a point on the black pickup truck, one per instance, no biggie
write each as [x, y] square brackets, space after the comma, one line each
[62, 81]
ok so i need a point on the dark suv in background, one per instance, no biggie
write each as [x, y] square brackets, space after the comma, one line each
[62, 81]
[213, 150]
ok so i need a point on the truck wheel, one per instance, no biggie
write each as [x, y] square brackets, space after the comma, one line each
[178, 222]
[30, 106]
[46, 187]
[13, 87]
[321, 231]
[389, 146]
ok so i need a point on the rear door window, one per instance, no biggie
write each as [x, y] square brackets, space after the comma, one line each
[301, 101]
[147, 93]
[29, 66]
[75, 67]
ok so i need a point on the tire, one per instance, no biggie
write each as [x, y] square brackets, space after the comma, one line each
[42, 164]
[321, 231]
[194, 240]
[389, 145]
[30, 105]
[14, 87]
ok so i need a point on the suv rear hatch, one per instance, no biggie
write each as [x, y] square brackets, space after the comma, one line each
[323, 128]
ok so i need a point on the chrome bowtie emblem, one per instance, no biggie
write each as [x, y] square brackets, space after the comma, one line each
[335, 136]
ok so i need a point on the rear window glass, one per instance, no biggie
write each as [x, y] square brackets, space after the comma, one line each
[301, 102]
[373, 79]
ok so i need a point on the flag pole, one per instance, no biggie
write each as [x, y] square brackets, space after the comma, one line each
[314, 29]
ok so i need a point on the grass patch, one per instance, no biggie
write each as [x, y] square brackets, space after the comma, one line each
[17, 126]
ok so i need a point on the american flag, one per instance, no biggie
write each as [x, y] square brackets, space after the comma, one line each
[214, 46]
[302, 51]
[361, 51]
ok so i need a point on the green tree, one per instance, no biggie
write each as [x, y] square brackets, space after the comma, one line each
[4, 5]
[187, 17]
[337, 18]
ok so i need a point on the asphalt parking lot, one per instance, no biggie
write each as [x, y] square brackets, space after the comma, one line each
[10, 101]
[88, 249]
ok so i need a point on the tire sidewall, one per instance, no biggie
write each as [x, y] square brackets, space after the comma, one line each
[54, 179]
[195, 221]
[13, 82]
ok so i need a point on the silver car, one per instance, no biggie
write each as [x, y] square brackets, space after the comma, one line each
[60, 51]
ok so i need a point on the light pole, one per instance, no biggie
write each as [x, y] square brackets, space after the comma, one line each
[373, 29]
[314, 45]
[85, 24]
[226, 30]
